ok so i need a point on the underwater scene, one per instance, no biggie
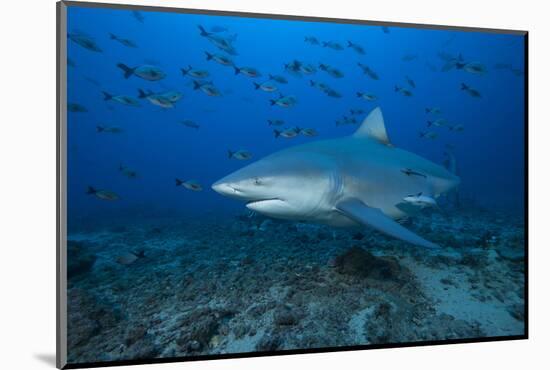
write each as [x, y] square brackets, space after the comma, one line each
[243, 185]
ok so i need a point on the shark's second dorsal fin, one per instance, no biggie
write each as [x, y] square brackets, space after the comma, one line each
[373, 127]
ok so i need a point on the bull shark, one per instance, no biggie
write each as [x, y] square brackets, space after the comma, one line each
[358, 180]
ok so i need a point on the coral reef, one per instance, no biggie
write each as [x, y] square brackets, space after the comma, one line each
[243, 284]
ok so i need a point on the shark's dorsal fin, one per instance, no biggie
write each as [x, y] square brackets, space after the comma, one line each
[373, 127]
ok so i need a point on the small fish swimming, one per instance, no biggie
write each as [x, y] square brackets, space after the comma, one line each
[345, 120]
[312, 40]
[333, 93]
[369, 72]
[385, 29]
[189, 184]
[279, 79]
[173, 96]
[428, 135]
[266, 86]
[222, 43]
[411, 82]
[138, 16]
[294, 68]
[433, 110]
[196, 73]
[126, 42]
[333, 72]
[247, 71]
[190, 124]
[402, 91]
[475, 68]
[329, 91]
[85, 41]
[451, 61]
[156, 99]
[320, 85]
[241, 155]
[288, 133]
[409, 172]
[207, 87]
[456, 128]
[356, 112]
[420, 200]
[122, 99]
[409, 57]
[366, 96]
[333, 45]
[307, 131]
[93, 81]
[147, 72]
[308, 69]
[356, 47]
[77, 108]
[471, 91]
[440, 122]
[284, 101]
[275, 122]
[131, 174]
[102, 194]
[109, 129]
[219, 58]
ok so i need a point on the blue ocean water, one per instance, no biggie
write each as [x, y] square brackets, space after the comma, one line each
[164, 271]
[489, 152]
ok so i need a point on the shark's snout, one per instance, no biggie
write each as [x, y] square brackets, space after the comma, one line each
[228, 189]
[223, 188]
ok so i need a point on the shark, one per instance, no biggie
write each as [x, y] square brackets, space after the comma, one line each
[358, 180]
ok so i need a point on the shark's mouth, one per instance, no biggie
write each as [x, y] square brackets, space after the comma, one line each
[264, 204]
[262, 201]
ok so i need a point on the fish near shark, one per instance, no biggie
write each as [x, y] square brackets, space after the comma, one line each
[351, 181]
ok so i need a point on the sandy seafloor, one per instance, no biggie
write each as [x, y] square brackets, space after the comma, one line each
[218, 284]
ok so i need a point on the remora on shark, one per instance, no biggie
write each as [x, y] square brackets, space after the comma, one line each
[350, 181]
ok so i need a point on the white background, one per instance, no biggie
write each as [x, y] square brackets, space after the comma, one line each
[27, 182]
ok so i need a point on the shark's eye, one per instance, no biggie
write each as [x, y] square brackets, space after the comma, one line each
[257, 181]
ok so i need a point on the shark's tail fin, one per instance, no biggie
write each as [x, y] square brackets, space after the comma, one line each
[178, 182]
[208, 55]
[230, 153]
[277, 133]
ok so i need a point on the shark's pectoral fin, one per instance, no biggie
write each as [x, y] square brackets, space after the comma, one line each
[373, 217]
